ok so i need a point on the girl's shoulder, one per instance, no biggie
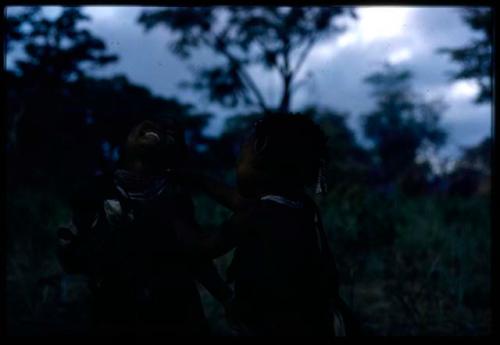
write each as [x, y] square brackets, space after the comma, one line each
[301, 204]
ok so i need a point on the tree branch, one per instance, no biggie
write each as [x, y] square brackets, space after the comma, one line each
[281, 68]
[219, 45]
[251, 84]
[303, 55]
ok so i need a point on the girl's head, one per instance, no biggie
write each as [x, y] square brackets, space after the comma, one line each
[283, 154]
[158, 144]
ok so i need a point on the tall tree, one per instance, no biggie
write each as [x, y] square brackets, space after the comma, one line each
[276, 38]
[475, 57]
[58, 50]
[402, 123]
[45, 125]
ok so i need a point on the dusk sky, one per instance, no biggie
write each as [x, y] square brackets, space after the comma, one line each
[408, 36]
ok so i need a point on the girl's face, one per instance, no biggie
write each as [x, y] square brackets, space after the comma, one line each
[149, 135]
[153, 141]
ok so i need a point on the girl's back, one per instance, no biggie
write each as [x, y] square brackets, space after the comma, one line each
[278, 270]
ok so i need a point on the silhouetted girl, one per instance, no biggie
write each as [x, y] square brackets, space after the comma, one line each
[122, 237]
[283, 270]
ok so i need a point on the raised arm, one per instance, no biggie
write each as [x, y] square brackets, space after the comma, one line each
[196, 245]
[210, 246]
[225, 195]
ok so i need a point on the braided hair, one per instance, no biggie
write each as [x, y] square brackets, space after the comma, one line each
[291, 146]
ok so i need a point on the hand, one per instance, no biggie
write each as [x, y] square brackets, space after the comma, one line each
[66, 235]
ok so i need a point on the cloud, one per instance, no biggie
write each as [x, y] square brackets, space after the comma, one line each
[107, 14]
[411, 39]
[143, 57]
[399, 56]
[407, 36]
[464, 89]
[382, 22]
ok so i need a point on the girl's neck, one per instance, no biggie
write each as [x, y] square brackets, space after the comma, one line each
[140, 167]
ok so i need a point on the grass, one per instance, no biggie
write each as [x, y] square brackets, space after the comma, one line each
[409, 266]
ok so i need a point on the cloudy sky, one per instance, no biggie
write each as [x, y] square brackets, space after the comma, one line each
[408, 36]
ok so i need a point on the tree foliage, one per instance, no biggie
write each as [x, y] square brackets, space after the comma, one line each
[57, 50]
[15, 26]
[62, 125]
[475, 57]
[276, 38]
[402, 123]
[60, 119]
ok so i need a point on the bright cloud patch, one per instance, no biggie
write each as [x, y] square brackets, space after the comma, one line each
[373, 24]
[101, 12]
[381, 22]
[464, 89]
[399, 56]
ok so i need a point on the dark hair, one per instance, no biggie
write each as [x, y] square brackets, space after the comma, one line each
[291, 144]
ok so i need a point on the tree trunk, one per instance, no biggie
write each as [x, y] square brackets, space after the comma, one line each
[285, 99]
